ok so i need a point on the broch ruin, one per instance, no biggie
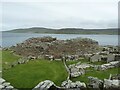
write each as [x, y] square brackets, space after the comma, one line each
[52, 48]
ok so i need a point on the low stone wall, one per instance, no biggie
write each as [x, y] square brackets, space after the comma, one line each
[44, 85]
[108, 65]
[94, 82]
[78, 69]
[5, 85]
[66, 85]
[106, 84]
[111, 84]
[18, 62]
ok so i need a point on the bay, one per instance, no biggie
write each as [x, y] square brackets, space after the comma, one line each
[9, 39]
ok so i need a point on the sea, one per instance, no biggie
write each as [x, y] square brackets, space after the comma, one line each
[9, 39]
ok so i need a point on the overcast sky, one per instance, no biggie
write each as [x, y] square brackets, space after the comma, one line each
[59, 14]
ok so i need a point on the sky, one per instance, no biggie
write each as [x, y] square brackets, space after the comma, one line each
[59, 14]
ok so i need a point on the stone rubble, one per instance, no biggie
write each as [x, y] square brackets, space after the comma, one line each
[111, 84]
[94, 82]
[108, 65]
[106, 84]
[68, 84]
[78, 69]
[45, 85]
[40, 46]
[5, 85]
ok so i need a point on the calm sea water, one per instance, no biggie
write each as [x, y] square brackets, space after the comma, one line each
[9, 39]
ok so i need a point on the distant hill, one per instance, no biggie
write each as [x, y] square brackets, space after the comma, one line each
[33, 30]
[112, 31]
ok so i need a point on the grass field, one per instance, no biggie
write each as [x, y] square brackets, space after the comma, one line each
[8, 57]
[30, 74]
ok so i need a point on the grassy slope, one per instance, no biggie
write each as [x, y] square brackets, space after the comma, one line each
[30, 74]
[9, 57]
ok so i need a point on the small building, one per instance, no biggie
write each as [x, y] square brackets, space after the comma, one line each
[95, 58]
[110, 57]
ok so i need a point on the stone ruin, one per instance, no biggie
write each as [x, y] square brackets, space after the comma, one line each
[66, 85]
[78, 69]
[5, 85]
[108, 65]
[41, 46]
[45, 85]
[111, 84]
[106, 84]
[94, 82]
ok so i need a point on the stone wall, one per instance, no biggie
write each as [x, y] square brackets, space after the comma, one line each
[78, 69]
[108, 65]
[106, 84]
[5, 85]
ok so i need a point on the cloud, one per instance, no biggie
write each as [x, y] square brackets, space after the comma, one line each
[60, 14]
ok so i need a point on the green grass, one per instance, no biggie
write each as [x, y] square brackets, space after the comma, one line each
[0, 59]
[8, 57]
[72, 62]
[84, 61]
[76, 61]
[100, 74]
[30, 74]
[98, 63]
